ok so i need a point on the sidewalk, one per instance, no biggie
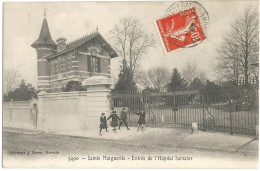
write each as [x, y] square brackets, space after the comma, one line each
[167, 137]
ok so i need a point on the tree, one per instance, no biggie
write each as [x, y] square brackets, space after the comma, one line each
[125, 80]
[22, 93]
[240, 48]
[155, 79]
[131, 42]
[190, 71]
[11, 79]
[210, 85]
[124, 85]
[73, 86]
[196, 84]
[213, 93]
[177, 81]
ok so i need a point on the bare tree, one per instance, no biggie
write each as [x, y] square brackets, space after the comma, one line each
[11, 79]
[155, 78]
[130, 41]
[190, 71]
[240, 48]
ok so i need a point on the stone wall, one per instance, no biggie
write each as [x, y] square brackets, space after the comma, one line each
[60, 111]
[18, 114]
[72, 111]
[64, 111]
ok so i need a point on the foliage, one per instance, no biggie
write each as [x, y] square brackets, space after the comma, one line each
[126, 85]
[210, 85]
[73, 86]
[125, 80]
[177, 81]
[22, 93]
[196, 84]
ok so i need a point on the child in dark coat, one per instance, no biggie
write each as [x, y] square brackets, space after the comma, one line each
[141, 121]
[114, 122]
[103, 123]
[123, 119]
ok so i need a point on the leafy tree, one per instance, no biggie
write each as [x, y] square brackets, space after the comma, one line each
[22, 93]
[177, 81]
[196, 83]
[125, 83]
[73, 86]
[125, 80]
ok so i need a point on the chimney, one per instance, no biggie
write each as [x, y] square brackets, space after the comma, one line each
[61, 44]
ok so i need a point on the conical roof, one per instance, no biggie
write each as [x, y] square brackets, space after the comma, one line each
[44, 39]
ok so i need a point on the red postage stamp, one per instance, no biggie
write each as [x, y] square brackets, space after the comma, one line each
[180, 30]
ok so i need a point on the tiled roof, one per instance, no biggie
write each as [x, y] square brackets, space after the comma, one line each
[77, 43]
[44, 37]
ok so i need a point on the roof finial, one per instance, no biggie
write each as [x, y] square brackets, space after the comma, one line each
[97, 29]
[44, 12]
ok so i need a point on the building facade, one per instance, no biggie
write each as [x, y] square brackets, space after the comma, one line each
[60, 62]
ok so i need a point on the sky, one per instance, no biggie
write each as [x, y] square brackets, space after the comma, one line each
[22, 24]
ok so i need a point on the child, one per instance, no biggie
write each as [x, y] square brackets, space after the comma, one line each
[123, 119]
[114, 122]
[141, 121]
[103, 123]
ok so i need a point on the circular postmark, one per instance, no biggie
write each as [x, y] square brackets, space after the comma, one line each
[202, 13]
[184, 25]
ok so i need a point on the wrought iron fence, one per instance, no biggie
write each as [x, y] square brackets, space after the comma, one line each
[228, 109]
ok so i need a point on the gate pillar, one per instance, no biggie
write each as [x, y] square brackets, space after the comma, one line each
[98, 100]
[41, 118]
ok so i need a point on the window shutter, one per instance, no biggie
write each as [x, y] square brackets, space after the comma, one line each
[98, 64]
[89, 64]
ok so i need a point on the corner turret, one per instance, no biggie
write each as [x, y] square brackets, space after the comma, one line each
[44, 46]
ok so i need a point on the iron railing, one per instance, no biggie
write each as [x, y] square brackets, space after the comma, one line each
[226, 109]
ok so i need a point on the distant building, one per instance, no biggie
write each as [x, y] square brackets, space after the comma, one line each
[60, 62]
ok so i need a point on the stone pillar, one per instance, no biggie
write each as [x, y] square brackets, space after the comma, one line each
[194, 127]
[97, 101]
[41, 118]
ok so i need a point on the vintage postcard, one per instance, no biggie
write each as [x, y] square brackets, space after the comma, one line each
[159, 84]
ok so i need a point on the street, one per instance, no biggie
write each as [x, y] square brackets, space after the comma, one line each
[38, 147]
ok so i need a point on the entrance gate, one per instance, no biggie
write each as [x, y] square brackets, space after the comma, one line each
[233, 109]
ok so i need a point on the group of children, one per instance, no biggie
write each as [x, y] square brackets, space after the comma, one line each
[122, 119]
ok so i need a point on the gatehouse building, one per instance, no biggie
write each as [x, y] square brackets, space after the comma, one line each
[60, 62]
